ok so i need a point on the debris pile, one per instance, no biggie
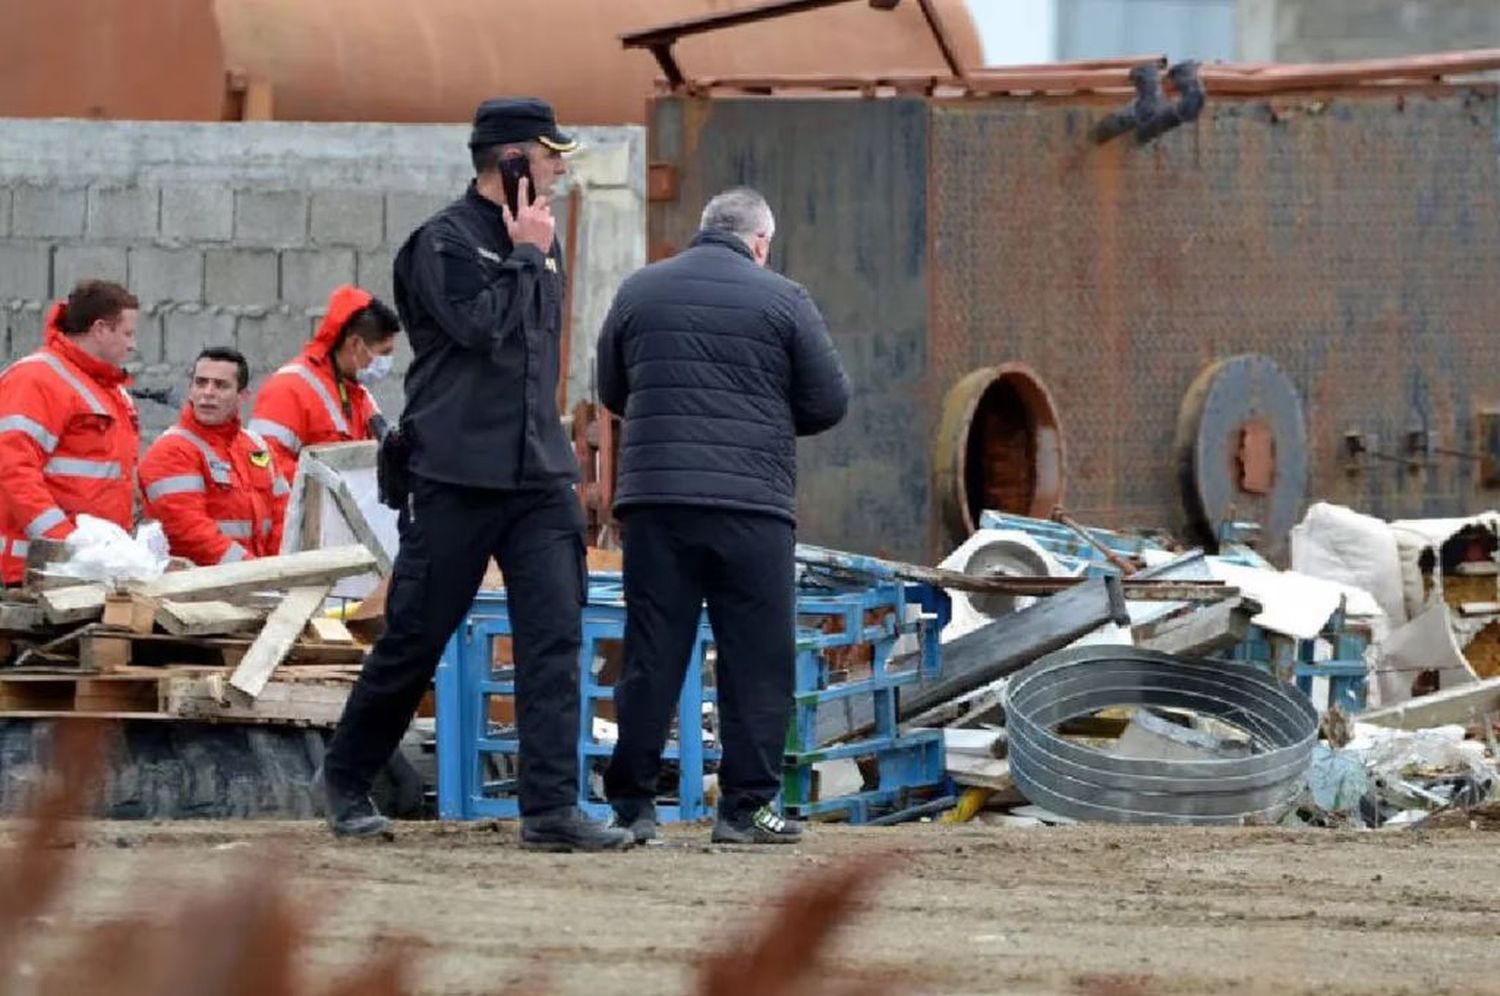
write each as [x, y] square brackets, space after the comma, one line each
[247, 642]
[1357, 689]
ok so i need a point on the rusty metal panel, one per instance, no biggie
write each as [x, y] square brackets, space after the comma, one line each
[847, 181]
[1354, 240]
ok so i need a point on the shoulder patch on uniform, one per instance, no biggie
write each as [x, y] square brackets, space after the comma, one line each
[261, 458]
[493, 257]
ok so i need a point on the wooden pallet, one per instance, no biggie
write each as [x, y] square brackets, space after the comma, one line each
[304, 696]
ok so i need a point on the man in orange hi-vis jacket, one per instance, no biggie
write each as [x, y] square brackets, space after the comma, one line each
[320, 396]
[213, 485]
[69, 432]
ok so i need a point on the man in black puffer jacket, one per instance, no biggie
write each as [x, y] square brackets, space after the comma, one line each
[716, 365]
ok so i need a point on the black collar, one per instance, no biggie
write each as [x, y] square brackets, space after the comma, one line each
[483, 203]
[711, 237]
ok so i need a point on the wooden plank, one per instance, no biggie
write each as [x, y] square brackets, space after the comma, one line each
[281, 631]
[325, 629]
[978, 742]
[206, 618]
[103, 653]
[1208, 630]
[301, 703]
[21, 696]
[133, 695]
[71, 714]
[346, 506]
[310, 567]
[1463, 705]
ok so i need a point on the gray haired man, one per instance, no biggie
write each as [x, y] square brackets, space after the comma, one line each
[716, 365]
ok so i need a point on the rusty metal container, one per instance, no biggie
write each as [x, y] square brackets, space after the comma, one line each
[399, 60]
[1005, 293]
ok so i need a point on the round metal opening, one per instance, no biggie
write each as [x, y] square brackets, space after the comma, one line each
[1000, 448]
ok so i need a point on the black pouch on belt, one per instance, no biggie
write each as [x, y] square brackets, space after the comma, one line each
[392, 476]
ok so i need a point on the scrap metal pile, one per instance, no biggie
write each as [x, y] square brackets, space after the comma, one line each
[1086, 674]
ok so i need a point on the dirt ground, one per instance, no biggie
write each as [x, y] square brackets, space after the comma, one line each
[966, 909]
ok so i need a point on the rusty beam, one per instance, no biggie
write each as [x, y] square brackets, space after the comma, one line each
[660, 39]
[821, 81]
[1075, 65]
[718, 21]
[941, 36]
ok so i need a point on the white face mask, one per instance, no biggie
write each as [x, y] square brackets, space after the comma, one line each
[379, 369]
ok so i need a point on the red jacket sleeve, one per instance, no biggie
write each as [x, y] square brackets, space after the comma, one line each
[281, 494]
[280, 415]
[177, 497]
[32, 420]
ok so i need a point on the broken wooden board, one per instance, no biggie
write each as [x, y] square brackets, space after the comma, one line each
[285, 625]
[283, 702]
[129, 612]
[293, 570]
[325, 629]
[206, 618]
[1463, 705]
[348, 507]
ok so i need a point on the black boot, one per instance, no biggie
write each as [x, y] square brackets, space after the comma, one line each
[352, 815]
[569, 829]
[637, 817]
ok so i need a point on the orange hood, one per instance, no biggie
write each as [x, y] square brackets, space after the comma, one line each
[59, 342]
[342, 304]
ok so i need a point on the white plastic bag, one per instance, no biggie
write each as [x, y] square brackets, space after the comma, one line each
[99, 550]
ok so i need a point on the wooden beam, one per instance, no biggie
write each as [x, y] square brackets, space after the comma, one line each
[293, 570]
[206, 618]
[294, 702]
[1202, 632]
[281, 631]
[343, 500]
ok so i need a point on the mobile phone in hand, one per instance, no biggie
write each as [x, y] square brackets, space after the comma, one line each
[511, 172]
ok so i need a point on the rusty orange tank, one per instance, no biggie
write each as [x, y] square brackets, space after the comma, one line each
[394, 60]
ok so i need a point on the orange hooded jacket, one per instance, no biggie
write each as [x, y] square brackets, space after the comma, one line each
[69, 436]
[216, 491]
[306, 402]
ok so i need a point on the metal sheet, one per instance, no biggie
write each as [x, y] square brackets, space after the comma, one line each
[848, 183]
[1346, 238]
[1353, 239]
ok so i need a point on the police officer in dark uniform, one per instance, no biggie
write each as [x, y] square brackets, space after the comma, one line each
[489, 471]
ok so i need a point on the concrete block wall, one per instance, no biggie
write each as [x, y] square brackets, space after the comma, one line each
[1323, 30]
[236, 233]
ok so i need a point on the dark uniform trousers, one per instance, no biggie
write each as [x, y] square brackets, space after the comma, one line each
[741, 563]
[448, 534]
